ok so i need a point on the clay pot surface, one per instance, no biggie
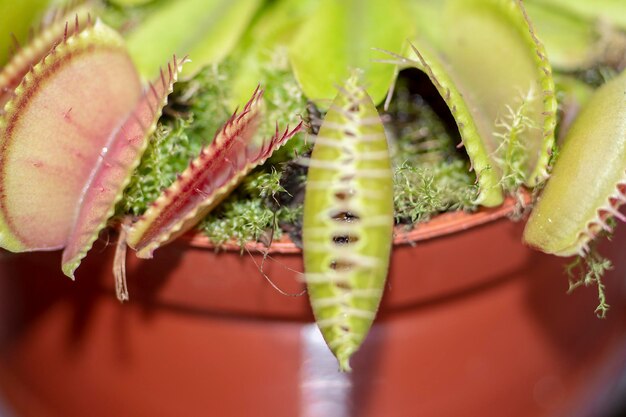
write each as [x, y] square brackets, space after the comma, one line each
[473, 323]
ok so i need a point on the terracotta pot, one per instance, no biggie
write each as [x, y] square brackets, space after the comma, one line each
[472, 324]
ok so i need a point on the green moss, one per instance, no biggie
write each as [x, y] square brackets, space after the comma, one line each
[252, 211]
[420, 193]
[264, 184]
[241, 220]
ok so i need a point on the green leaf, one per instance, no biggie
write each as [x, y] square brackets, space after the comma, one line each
[569, 39]
[55, 129]
[588, 179]
[443, 78]
[112, 171]
[263, 44]
[424, 14]
[492, 71]
[205, 30]
[340, 37]
[17, 17]
[348, 221]
[502, 68]
[277, 23]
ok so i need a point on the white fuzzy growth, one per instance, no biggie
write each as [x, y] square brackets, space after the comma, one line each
[511, 154]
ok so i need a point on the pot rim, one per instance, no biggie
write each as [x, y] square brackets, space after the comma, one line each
[441, 225]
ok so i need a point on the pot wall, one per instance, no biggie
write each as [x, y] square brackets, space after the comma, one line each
[472, 324]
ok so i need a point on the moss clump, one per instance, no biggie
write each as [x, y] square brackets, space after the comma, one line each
[252, 211]
[430, 175]
[420, 193]
[241, 220]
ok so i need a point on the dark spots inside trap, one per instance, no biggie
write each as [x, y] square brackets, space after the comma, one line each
[344, 195]
[345, 239]
[345, 216]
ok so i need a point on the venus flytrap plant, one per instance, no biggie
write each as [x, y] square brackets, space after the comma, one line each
[486, 176]
[600, 179]
[488, 66]
[592, 157]
[112, 171]
[568, 220]
[198, 108]
[219, 168]
[479, 87]
[52, 134]
[73, 148]
[348, 220]
[517, 62]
